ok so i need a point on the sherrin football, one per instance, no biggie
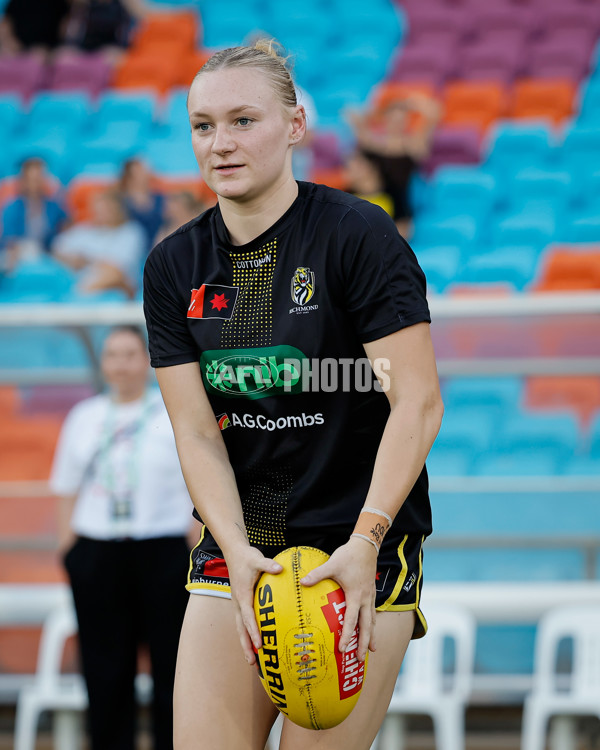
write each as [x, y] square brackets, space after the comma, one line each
[300, 664]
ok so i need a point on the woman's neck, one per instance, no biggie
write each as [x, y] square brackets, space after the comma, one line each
[249, 219]
[127, 396]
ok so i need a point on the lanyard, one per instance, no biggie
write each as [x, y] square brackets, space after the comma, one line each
[121, 493]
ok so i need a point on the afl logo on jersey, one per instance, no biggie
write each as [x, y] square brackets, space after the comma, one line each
[303, 285]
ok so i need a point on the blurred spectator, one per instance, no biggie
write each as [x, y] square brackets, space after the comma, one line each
[32, 219]
[108, 252]
[103, 25]
[180, 207]
[123, 520]
[303, 155]
[364, 180]
[143, 204]
[32, 25]
[398, 145]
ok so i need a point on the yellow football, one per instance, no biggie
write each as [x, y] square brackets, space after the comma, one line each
[300, 664]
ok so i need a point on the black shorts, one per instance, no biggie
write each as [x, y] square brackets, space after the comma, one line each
[398, 582]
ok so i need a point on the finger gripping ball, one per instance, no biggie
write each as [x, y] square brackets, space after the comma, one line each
[300, 664]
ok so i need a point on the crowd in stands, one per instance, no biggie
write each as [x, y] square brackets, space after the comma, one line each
[106, 250]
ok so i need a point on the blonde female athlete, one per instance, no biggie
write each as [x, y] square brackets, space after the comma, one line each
[261, 314]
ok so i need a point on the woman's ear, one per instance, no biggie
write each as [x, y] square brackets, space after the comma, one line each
[298, 123]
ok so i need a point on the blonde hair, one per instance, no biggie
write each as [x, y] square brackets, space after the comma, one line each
[265, 56]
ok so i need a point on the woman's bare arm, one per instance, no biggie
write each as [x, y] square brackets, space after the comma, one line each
[212, 487]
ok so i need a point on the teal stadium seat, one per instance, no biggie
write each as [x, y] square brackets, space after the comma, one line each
[44, 280]
[511, 145]
[511, 264]
[441, 264]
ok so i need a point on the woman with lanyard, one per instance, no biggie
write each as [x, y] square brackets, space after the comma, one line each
[124, 516]
[261, 314]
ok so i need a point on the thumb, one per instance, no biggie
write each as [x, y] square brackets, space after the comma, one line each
[318, 574]
[271, 566]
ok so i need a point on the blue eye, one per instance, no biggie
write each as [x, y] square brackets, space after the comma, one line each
[202, 126]
[244, 121]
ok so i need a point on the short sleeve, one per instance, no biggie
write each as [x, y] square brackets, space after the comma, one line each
[385, 288]
[68, 468]
[169, 339]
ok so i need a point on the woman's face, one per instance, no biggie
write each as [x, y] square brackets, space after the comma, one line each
[241, 133]
[124, 362]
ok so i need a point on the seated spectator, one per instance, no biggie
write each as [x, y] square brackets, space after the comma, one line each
[108, 251]
[32, 219]
[104, 25]
[143, 204]
[398, 146]
[32, 26]
[364, 180]
[180, 207]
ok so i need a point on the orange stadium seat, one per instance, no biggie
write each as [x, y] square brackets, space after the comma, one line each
[80, 193]
[567, 269]
[27, 447]
[474, 103]
[581, 393]
[197, 187]
[9, 400]
[189, 65]
[147, 71]
[179, 30]
[552, 100]
[335, 178]
[391, 91]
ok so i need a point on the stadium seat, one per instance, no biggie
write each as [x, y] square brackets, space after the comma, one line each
[449, 461]
[171, 156]
[572, 16]
[554, 435]
[179, 30]
[469, 102]
[43, 280]
[568, 268]
[580, 146]
[495, 16]
[22, 75]
[557, 59]
[424, 65]
[68, 112]
[580, 393]
[27, 447]
[589, 110]
[458, 189]
[511, 145]
[483, 62]
[11, 115]
[531, 184]
[552, 100]
[469, 427]
[454, 144]
[431, 231]
[147, 70]
[501, 394]
[79, 71]
[424, 18]
[513, 264]
[535, 226]
[580, 696]
[531, 462]
[189, 65]
[441, 264]
[79, 193]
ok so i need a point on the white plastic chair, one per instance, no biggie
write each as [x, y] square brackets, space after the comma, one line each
[579, 695]
[424, 688]
[64, 694]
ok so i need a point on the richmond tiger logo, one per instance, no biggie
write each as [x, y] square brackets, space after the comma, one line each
[303, 285]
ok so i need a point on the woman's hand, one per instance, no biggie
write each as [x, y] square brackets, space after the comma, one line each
[245, 567]
[354, 567]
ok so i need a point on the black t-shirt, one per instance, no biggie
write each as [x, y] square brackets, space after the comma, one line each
[273, 323]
